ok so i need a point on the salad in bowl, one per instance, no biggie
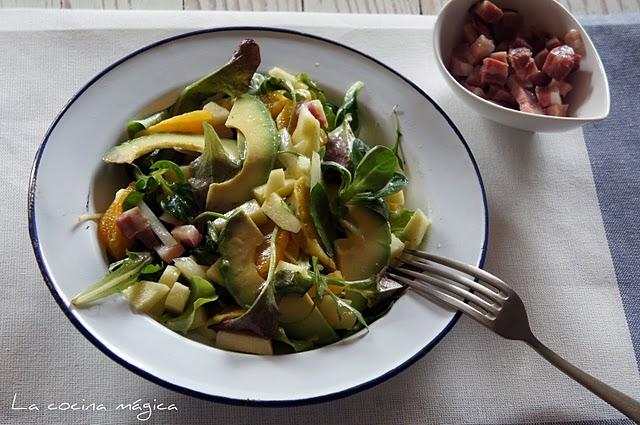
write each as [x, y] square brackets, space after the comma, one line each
[255, 219]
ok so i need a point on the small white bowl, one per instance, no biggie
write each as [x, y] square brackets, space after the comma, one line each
[589, 99]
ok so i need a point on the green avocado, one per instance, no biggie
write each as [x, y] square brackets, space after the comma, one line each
[313, 326]
[238, 243]
[365, 252]
[129, 151]
[251, 118]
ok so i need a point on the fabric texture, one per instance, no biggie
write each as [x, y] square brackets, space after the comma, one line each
[563, 235]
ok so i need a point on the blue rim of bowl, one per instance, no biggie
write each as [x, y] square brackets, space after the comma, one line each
[33, 232]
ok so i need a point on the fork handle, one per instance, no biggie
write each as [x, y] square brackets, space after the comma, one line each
[619, 400]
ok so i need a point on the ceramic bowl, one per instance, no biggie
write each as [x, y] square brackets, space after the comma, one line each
[69, 179]
[589, 99]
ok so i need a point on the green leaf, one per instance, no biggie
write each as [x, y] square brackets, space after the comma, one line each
[319, 209]
[206, 252]
[180, 203]
[358, 150]
[132, 200]
[370, 201]
[151, 268]
[202, 292]
[373, 172]
[170, 166]
[350, 106]
[396, 184]
[330, 114]
[214, 164]
[288, 282]
[332, 171]
[316, 91]
[135, 126]
[399, 219]
[396, 125]
[298, 345]
[231, 79]
[122, 275]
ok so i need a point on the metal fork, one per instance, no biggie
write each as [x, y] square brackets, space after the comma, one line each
[491, 302]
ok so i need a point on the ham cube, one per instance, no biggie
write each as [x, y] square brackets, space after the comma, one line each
[474, 78]
[548, 96]
[480, 49]
[520, 42]
[540, 57]
[460, 68]
[187, 235]
[508, 26]
[562, 86]
[552, 43]
[573, 39]
[478, 91]
[557, 110]
[488, 12]
[560, 62]
[470, 32]
[526, 99]
[493, 71]
[168, 253]
[528, 72]
[131, 222]
[540, 79]
[501, 56]
[148, 238]
[519, 57]
[500, 96]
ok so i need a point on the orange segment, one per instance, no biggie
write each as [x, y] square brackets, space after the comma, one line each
[263, 252]
[275, 102]
[190, 122]
[109, 234]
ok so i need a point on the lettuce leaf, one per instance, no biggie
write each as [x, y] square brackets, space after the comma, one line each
[202, 292]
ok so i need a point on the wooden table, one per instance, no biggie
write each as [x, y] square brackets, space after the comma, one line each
[425, 7]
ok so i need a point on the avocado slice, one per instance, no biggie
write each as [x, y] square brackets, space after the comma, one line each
[252, 118]
[314, 326]
[129, 151]
[238, 243]
[366, 252]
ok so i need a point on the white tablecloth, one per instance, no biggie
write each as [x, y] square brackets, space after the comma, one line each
[546, 238]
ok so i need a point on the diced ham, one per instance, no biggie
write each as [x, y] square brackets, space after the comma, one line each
[562, 86]
[478, 91]
[501, 56]
[573, 39]
[488, 12]
[540, 79]
[528, 72]
[508, 26]
[187, 235]
[132, 222]
[519, 42]
[168, 253]
[557, 110]
[501, 96]
[548, 96]
[460, 68]
[560, 62]
[552, 43]
[526, 99]
[493, 71]
[474, 78]
[540, 57]
[519, 57]
[316, 109]
[480, 49]
[148, 238]
[481, 28]
[470, 32]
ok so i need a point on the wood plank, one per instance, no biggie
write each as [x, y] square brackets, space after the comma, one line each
[431, 7]
[363, 6]
[47, 4]
[255, 5]
[122, 4]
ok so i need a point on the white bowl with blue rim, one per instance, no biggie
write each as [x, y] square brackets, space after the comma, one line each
[589, 99]
[69, 179]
